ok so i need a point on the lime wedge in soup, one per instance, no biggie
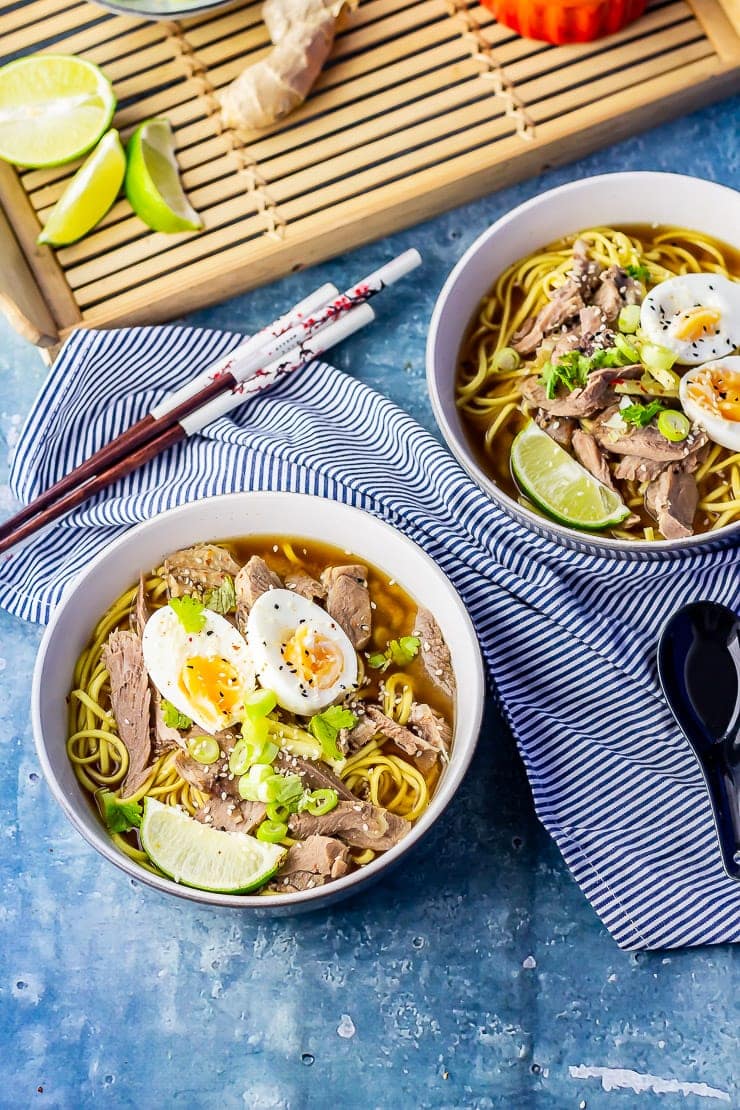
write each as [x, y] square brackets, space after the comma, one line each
[153, 184]
[89, 195]
[559, 485]
[53, 108]
[206, 858]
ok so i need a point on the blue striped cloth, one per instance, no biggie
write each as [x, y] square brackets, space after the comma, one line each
[569, 639]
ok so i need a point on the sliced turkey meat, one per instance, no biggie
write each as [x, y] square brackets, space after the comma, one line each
[131, 702]
[348, 601]
[197, 570]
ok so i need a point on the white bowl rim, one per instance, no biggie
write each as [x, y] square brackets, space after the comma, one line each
[453, 775]
[457, 444]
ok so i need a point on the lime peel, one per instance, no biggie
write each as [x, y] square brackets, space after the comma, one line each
[53, 109]
[153, 184]
[560, 486]
[200, 856]
[89, 195]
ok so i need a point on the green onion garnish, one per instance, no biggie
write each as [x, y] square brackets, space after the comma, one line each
[319, 802]
[628, 320]
[507, 359]
[272, 831]
[675, 426]
[656, 357]
[626, 348]
[204, 749]
[259, 704]
[189, 612]
[253, 785]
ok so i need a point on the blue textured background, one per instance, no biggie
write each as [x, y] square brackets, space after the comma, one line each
[475, 976]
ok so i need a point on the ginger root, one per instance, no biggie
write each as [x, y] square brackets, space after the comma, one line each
[302, 32]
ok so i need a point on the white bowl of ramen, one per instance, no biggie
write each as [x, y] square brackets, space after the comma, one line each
[390, 557]
[639, 202]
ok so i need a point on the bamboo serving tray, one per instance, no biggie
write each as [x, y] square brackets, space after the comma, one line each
[424, 104]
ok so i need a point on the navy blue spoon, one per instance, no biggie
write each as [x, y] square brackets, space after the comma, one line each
[699, 668]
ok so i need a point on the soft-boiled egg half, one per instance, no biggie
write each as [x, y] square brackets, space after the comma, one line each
[205, 674]
[697, 316]
[300, 652]
[710, 396]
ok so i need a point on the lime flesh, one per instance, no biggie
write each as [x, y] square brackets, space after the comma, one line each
[559, 485]
[206, 858]
[153, 184]
[53, 108]
[89, 195]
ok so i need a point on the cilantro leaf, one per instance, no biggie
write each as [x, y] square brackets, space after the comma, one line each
[572, 370]
[325, 727]
[400, 652]
[118, 816]
[189, 612]
[173, 718]
[404, 650]
[223, 598]
[641, 415]
[639, 273]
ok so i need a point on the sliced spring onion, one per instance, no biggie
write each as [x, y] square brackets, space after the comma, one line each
[253, 785]
[276, 811]
[628, 320]
[320, 802]
[239, 760]
[259, 704]
[507, 359]
[675, 426]
[655, 357]
[272, 831]
[626, 348]
[246, 753]
[204, 749]
[255, 730]
[291, 790]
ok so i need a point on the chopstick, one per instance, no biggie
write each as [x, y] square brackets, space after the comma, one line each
[252, 360]
[163, 438]
[209, 383]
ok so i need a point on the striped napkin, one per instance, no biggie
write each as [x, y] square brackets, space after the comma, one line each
[569, 639]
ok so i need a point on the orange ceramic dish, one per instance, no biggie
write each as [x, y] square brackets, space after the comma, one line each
[563, 21]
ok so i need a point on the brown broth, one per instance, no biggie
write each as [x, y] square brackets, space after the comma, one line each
[497, 466]
[393, 615]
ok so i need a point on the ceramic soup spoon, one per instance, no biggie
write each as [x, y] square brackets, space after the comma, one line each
[699, 668]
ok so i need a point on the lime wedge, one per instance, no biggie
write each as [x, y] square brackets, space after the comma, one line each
[555, 482]
[153, 184]
[53, 108]
[197, 855]
[89, 194]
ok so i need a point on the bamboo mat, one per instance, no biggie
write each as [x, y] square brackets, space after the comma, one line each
[424, 104]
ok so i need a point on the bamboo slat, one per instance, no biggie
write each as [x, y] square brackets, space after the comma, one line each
[423, 104]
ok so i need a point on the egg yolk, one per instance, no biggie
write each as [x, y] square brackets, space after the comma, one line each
[212, 684]
[316, 659]
[697, 323]
[718, 390]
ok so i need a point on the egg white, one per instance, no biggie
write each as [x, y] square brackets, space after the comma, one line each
[664, 307]
[167, 648]
[705, 412]
[281, 617]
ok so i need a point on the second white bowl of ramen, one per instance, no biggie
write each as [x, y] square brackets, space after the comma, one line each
[612, 200]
